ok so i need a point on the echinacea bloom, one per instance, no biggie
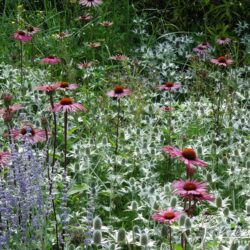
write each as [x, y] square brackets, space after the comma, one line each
[86, 17]
[4, 156]
[51, 60]
[32, 30]
[222, 61]
[119, 91]
[22, 36]
[205, 45]
[85, 65]
[67, 104]
[28, 133]
[187, 155]
[65, 86]
[90, 3]
[94, 45]
[170, 86]
[200, 49]
[203, 197]
[168, 216]
[167, 108]
[223, 40]
[46, 88]
[106, 23]
[61, 35]
[119, 57]
[13, 108]
[190, 188]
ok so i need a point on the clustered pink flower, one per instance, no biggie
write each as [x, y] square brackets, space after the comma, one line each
[32, 30]
[222, 61]
[67, 104]
[51, 60]
[28, 133]
[4, 157]
[86, 17]
[187, 155]
[167, 108]
[94, 45]
[170, 86]
[223, 40]
[46, 88]
[192, 189]
[118, 92]
[168, 216]
[119, 57]
[106, 23]
[22, 36]
[65, 86]
[85, 65]
[13, 108]
[90, 3]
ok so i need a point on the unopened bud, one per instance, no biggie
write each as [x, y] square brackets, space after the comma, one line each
[121, 236]
[97, 237]
[97, 223]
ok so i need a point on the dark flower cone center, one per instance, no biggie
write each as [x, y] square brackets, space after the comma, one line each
[30, 29]
[51, 57]
[66, 101]
[222, 59]
[189, 186]
[64, 84]
[169, 215]
[169, 84]
[119, 89]
[27, 130]
[21, 33]
[189, 153]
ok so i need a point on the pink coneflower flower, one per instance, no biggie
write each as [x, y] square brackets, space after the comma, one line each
[85, 65]
[189, 188]
[119, 57]
[61, 35]
[187, 155]
[200, 49]
[67, 105]
[167, 108]
[90, 3]
[106, 23]
[86, 17]
[205, 45]
[221, 61]
[168, 215]
[13, 108]
[170, 86]
[118, 92]
[32, 30]
[94, 45]
[46, 88]
[28, 133]
[223, 40]
[22, 36]
[4, 156]
[51, 60]
[65, 86]
[203, 197]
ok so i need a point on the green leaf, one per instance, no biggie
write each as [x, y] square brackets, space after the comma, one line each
[77, 189]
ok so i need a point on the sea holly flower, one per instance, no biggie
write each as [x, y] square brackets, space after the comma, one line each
[65, 86]
[51, 60]
[118, 92]
[67, 104]
[168, 216]
[170, 86]
[90, 3]
[223, 40]
[190, 188]
[187, 155]
[4, 157]
[106, 23]
[222, 61]
[22, 36]
[28, 133]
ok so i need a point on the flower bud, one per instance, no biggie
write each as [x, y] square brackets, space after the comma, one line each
[97, 237]
[6, 97]
[134, 205]
[44, 122]
[218, 202]
[209, 177]
[173, 201]
[7, 116]
[188, 223]
[97, 223]
[136, 229]
[144, 239]
[226, 212]
[248, 208]
[182, 219]
[164, 231]
[121, 236]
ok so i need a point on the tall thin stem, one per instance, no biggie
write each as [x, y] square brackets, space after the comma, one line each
[56, 226]
[170, 238]
[21, 68]
[55, 132]
[117, 126]
[65, 140]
